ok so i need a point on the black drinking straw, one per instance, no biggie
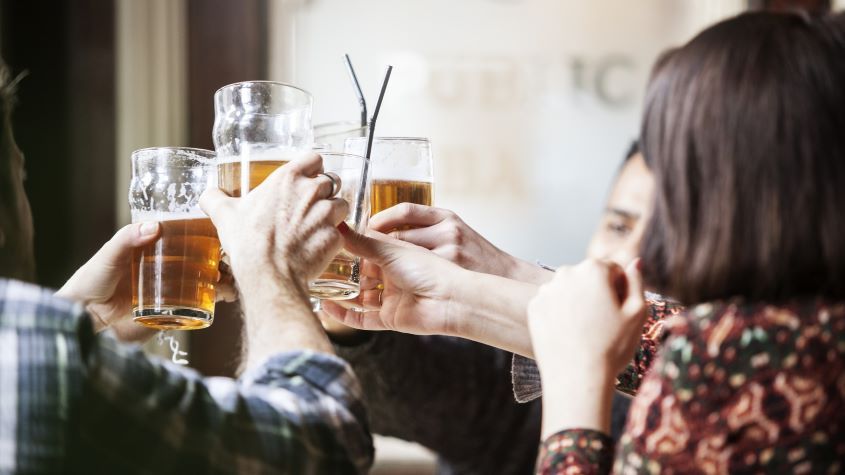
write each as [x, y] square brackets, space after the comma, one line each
[378, 108]
[363, 190]
[358, 92]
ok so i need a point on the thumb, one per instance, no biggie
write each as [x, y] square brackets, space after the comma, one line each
[635, 300]
[116, 251]
[216, 204]
[375, 250]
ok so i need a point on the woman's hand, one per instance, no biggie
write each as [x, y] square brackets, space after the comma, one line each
[447, 235]
[103, 283]
[585, 326]
[416, 290]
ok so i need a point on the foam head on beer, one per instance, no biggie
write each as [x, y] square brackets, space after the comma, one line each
[402, 170]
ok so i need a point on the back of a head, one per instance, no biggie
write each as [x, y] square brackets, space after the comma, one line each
[16, 257]
[744, 128]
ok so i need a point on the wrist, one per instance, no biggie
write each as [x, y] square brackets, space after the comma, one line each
[262, 281]
[573, 364]
[524, 271]
[492, 310]
[587, 406]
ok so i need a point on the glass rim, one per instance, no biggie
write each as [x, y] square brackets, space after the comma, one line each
[235, 85]
[393, 139]
[204, 154]
[335, 154]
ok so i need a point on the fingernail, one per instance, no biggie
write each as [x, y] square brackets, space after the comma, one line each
[343, 228]
[149, 228]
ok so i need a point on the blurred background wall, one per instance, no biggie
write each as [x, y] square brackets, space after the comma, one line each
[530, 105]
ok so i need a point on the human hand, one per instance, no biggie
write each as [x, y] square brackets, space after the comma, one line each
[588, 318]
[585, 325]
[416, 291]
[278, 237]
[447, 235]
[283, 229]
[103, 283]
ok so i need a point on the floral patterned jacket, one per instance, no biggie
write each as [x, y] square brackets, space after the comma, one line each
[737, 387]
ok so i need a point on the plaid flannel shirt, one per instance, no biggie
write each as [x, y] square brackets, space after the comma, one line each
[75, 402]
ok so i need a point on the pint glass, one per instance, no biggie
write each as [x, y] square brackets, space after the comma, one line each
[173, 278]
[402, 170]
[340, 280]
[258, 127]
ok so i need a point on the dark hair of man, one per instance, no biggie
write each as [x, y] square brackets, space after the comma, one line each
[7, 96]
[744, 129]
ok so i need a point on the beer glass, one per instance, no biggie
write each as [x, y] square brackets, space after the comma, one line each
[402, 170]
[173, 278]
[258, 127]
[334, 134]
[340, 280]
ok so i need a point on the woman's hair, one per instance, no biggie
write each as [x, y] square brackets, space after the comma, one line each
[744, 129]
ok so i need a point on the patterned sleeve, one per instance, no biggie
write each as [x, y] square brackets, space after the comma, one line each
[300, 412]
[73, 401]
[576, 451]
[527, 384]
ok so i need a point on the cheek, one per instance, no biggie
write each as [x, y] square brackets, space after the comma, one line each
[600, 247]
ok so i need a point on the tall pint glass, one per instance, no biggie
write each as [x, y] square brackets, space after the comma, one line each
[402, 170]
[258, 127]
[173, 278]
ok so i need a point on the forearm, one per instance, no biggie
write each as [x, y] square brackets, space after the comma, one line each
[293, 325]
[492, 310]
[524, 271]
[576, 397]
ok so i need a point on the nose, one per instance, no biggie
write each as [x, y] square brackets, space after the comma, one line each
[630, 249]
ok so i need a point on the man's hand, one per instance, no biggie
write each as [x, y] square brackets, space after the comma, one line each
[447, 235]
[286, 226]
[278, 237]
[103, 284]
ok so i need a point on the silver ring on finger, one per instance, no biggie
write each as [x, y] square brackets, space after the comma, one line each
[333, 180]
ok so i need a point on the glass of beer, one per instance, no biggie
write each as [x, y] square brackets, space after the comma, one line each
[258, 127]
[173, 278]
[341, 279]
[402, 170]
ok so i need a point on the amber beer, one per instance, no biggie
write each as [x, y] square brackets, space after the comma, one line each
[389, 193]
[232, 182]
[173, 278]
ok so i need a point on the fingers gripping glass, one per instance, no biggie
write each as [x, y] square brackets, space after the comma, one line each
[173, 278]
[341, 279]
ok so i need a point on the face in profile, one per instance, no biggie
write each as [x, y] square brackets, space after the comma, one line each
[628, 208]
[17, 260]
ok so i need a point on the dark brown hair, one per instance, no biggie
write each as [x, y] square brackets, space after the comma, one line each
[744, 129]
